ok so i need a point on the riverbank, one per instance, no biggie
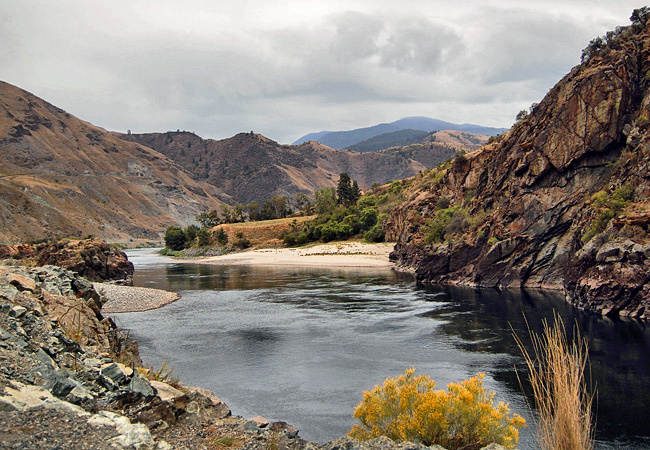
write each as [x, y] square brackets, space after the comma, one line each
[331, 255]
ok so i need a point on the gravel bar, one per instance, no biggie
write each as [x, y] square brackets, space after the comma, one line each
[121, 299]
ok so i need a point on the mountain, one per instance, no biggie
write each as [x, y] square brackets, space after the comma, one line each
[61, 176]
[249, 167]
[459, 140]
[561, 201]
[436, 148]
[344, 139]
[387, 140]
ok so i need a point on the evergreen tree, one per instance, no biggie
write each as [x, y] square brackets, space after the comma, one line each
[356, 192]
[344, 194]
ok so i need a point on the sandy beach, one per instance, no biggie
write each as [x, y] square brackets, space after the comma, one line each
[332, 255]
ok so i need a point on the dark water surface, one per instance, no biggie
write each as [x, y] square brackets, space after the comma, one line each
[302, 344]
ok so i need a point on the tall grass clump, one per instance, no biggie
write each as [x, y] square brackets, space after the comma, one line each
[557, 377]
[408, 408]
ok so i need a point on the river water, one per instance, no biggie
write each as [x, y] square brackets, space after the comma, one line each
[302, 344]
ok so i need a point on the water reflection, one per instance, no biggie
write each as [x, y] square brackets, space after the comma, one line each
[301, 344]
[484, 320]
[179, 277]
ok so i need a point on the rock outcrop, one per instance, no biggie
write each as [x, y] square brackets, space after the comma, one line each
[561, 201]
[91, 258]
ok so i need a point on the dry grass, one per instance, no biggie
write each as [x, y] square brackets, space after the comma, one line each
[557, 376]
[264, 233]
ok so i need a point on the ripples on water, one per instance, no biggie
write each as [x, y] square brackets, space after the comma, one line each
[302, 344]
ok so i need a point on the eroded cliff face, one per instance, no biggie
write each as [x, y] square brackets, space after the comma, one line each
[533, 209]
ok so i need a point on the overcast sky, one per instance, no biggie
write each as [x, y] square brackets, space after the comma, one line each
[286, 68]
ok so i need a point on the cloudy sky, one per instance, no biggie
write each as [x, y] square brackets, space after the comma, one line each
[286, 68]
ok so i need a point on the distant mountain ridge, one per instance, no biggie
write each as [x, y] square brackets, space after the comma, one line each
[388, 140]
[61, 176]
[345, 139]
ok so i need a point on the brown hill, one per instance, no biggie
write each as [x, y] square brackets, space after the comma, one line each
[62, 176]
[561, 201]
[438, 147]
[250, 167]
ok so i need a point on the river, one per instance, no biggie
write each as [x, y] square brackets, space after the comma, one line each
[302, 344]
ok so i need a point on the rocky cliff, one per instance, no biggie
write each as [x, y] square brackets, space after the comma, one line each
[60, 176]
[561, 201]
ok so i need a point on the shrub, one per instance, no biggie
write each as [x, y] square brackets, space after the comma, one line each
[367, 200]
[221, 236]
[608, 206]
[459, 161]
[449, 220]
[442, 202]
[557, 376]
[375, 234]
[407, 408]
[175, 238]
[203, 237]
[241, 242]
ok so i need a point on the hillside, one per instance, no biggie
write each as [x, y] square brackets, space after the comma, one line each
[387, 140]
[250, 167]
[61, 176]
[561, 201]
[438, 147]
[345, 139]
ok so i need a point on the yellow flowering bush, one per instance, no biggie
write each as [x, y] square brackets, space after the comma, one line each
[408, 408]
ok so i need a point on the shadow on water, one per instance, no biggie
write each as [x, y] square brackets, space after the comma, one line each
[484, 320]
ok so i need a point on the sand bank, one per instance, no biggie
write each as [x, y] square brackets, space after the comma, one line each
[331, 255]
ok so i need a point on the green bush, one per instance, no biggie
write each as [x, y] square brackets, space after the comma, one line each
[203, 237]
[437, 228]
[608, 206]
[221, 237]
[175, 238]
[375, 234]
[367, 200]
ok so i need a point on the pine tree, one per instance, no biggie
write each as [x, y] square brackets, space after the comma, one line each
[344, 193]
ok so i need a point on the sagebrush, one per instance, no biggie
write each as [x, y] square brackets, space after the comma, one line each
[408, 408]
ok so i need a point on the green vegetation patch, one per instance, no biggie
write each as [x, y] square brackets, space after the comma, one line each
[607, 205]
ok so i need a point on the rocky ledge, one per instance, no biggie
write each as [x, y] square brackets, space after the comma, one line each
[69, 378]
[91, 258]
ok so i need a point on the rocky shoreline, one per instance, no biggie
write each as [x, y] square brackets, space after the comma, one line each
[69, 378]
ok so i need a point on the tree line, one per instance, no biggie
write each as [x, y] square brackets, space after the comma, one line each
[324, 201]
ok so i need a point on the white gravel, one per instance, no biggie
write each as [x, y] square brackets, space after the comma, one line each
[132, 299]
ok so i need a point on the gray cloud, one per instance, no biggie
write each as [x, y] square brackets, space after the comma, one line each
[218, 70]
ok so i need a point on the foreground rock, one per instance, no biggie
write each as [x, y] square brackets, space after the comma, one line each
[562, 201]
[91, 258]
[70, 379]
